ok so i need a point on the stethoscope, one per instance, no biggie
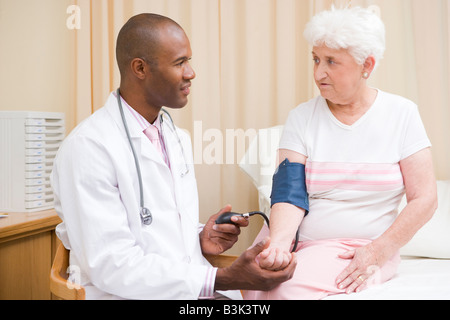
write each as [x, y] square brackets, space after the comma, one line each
[145, 213]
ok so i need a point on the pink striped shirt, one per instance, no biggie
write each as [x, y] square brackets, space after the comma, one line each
[322, 176]
[353, 173]
[144, 124]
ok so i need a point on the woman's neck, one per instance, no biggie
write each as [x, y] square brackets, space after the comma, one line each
[351, 112]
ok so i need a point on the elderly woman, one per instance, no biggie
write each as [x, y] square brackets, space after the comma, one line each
[363, 149]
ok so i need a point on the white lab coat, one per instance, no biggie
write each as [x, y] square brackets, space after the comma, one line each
[97, 196]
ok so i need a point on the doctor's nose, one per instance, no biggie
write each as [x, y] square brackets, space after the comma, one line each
[189, 73]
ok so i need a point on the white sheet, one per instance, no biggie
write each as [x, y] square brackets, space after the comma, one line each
[416, 279]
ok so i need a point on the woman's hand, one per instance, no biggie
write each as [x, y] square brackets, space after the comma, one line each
[365, 262]
[246, 274]
[274, 258]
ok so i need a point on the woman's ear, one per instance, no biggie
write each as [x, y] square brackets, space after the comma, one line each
[369, 65]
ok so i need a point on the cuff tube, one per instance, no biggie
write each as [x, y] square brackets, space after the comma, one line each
[289, 186]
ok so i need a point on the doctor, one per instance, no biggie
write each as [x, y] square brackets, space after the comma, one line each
[114, 251]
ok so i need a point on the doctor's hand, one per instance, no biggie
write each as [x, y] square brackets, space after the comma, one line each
[215, 238]
[246, 273]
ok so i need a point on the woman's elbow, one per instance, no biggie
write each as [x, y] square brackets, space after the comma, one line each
[431, 205]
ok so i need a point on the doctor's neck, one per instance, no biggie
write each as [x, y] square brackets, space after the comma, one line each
[138, 102]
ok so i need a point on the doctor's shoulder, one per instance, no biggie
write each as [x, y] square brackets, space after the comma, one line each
[96, 130]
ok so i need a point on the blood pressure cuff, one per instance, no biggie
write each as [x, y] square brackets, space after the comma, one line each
[289, 186]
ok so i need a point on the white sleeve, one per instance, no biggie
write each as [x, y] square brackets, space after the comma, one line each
[293, 137]
[415, 135]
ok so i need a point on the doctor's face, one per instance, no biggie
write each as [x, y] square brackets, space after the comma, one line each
[170, 78]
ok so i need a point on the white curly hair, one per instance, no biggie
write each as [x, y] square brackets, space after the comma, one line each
[359, 30]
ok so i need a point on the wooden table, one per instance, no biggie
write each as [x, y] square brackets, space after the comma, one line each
[27, 246]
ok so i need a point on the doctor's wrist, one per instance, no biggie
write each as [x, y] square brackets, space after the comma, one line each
[224, 280]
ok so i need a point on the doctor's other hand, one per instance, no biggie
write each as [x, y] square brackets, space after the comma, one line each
[215, 238]
[246, 273]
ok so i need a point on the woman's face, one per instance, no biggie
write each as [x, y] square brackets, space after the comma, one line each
[337, 74]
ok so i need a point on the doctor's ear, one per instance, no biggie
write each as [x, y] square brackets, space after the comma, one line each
[139, 68]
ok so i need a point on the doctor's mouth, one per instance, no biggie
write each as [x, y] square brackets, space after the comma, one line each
[186, 89]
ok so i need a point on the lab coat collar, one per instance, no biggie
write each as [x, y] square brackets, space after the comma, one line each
[141, 143]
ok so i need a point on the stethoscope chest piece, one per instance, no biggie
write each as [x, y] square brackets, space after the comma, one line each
[146, 216]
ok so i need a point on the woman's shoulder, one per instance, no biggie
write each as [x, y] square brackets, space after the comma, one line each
[306, 109]
[396, 102]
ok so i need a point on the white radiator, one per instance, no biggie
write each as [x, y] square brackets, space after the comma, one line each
[29, 142]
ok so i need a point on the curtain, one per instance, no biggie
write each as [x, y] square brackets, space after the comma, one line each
[253, 66]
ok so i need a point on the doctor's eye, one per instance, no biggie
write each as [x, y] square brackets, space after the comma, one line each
[180, 62]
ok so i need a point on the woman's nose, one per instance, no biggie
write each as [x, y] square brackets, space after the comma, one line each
[320, 72]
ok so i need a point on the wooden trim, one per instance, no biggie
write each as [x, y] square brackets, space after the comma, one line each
[59, 285]
[21, 225]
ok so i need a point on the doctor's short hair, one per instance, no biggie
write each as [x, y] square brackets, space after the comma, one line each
[139, 38]
[359, 30]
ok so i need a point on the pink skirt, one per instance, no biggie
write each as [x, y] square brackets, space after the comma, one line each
[318, 266]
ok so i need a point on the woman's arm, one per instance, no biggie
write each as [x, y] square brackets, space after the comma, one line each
[285, 219]
[421, 195]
